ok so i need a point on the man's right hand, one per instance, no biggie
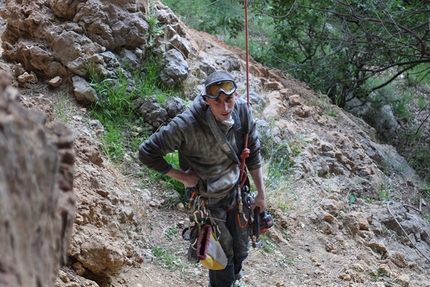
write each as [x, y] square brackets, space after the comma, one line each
[191, 178]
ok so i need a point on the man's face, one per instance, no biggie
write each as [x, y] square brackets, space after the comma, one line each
[222, 107]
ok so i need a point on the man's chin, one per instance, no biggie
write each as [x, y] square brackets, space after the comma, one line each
[223, 118]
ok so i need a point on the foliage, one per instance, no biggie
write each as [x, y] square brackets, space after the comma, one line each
[359, 49]
[418, 74]
[426, 192]
[171, 232]
[346, 49]
[426, 217]
[352, 198]
[280, 164]
[286, 261]
[278, 160]
[114, 109]
[61, 106]
[418, 156]
[167, 258]
[268, 244]
[154, 28]
[368, 198]
[378, 274]
[384, 192]
[336, 46]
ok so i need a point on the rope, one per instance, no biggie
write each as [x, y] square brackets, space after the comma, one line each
[404, 231]
[247, 52]
[245, 152]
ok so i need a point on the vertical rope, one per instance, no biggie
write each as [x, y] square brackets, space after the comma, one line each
[247, 51]
[246, 151]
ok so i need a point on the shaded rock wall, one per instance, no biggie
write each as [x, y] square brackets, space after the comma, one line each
[37, 204]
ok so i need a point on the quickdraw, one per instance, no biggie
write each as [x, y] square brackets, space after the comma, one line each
[200, 215]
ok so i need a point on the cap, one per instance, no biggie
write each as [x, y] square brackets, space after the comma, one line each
[218, 78]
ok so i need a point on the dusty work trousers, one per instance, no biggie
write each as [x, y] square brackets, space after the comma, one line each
[234, 239]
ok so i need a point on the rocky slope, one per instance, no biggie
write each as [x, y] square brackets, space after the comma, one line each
[350, 214]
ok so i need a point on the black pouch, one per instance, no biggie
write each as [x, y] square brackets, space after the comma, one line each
[191, 234]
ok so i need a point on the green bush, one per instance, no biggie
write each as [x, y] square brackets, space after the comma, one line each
[114, 109]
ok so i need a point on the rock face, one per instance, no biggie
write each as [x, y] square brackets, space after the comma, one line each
[64, 36]
[37, 204]
[78, 38]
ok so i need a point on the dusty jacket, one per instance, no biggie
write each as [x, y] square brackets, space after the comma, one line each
[191, 135]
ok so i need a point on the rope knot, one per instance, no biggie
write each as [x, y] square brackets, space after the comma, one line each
[243, 176]
[245, 153]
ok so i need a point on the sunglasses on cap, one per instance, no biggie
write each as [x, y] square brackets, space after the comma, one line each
[215, 89]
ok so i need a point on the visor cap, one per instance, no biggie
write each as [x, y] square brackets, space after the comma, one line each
[217, 77]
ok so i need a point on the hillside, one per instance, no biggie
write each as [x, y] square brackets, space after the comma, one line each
[350, 211]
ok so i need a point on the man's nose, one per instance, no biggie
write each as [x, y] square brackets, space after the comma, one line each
[225, 106]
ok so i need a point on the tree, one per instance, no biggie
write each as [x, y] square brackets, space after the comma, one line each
[338, 46]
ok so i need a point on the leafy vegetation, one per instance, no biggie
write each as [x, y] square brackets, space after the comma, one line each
[286, 261]
[154, 27]
[168, 258]
[170, 233]
[279, 158]
[384, 192]
[278, 162]
[352, 198]
[121, 122]
[268, 244]
[334, 46]
[114, 109]
[426, 192]
[426, 217]
[61, 106]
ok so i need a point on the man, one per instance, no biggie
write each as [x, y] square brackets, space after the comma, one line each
[209, 137]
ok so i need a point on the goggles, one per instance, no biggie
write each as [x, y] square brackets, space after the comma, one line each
[215, 89]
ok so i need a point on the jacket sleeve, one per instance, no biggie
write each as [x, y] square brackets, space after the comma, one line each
[152, 151]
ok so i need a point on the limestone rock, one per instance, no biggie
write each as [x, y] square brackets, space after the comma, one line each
[36, 190]
[83, 91]
[55, 82]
